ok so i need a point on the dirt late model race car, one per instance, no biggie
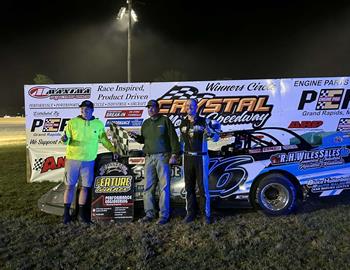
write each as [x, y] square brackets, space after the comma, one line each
[271, 168]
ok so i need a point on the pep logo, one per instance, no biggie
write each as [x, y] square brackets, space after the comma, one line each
[328, 99]
[49, 124]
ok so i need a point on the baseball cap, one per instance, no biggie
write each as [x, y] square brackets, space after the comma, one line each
[151, 103]
[87, 103]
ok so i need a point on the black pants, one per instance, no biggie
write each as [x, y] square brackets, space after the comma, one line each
[196, 172]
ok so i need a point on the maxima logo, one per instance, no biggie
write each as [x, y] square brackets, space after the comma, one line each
[60, 93]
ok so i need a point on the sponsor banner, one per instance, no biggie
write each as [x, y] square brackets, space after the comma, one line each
[301, 104]
[46, 165]
[113, 194]
[243, 104]
[62, 101]
[315, 104]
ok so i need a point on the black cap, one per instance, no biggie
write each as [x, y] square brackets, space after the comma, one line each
[87, 103]
[151, 103]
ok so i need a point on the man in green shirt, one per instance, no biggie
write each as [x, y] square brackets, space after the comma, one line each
[82, 135]
[161, 146]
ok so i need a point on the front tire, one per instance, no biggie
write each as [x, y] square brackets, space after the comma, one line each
[277, 195]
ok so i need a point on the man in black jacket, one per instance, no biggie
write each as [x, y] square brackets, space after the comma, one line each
[195, 131]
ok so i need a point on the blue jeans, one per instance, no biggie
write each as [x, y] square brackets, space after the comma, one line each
[157, 169]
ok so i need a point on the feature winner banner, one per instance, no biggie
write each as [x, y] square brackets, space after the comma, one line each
[301, 104]
[113, 190]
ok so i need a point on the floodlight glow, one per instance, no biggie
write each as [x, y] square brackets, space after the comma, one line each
[133, 15]
[121, 13]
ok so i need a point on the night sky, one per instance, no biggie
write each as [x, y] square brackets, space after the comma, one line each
[81, 42]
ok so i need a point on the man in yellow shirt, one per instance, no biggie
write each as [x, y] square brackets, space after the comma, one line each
[82, 135]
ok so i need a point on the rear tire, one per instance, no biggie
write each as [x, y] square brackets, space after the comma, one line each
[277, 195]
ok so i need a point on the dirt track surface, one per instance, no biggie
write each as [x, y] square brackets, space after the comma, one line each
[12, 131]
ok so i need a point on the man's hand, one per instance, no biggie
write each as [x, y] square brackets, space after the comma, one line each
[173, 159]
[64, 138]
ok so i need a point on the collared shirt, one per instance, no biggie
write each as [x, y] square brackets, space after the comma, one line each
[158, 136]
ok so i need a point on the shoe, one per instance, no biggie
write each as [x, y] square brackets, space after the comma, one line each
[146, 219]
[208, 220]
[188, 219]
[85, 221]
[67, 219]
[162, 221]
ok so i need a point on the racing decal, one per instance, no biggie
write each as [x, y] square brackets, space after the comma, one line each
[312, 159]
[272, 148]
[255, 151]
[332, 184]
[123, 113]
[290, 146]
[113, 167]
[332, 192]
[60, 92]
[112, 184]
[265, 149]
[344, 125]
[227, 110]
[139, 172]
[48, 164]
[136, 160]
[305, 124]
[226, 175]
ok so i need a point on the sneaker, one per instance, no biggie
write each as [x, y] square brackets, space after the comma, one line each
[188, 219]
[146, 219]
[162, 221]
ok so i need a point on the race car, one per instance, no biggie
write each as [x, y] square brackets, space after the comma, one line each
[271, 168]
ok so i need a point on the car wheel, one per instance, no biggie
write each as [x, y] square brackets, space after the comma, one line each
[276, 195]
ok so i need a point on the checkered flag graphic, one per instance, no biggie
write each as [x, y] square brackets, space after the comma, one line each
[344, 124]
[38, 164]
[184, 93]
[120, 139]
[323, 95]
[51, 124]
